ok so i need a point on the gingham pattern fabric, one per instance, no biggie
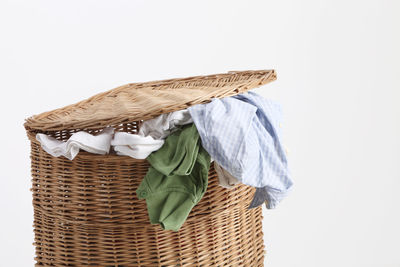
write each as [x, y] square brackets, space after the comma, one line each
[241, 133]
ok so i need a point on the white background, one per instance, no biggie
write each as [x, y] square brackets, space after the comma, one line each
[338, 80]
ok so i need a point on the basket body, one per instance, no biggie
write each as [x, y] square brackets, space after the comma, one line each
[86, 213]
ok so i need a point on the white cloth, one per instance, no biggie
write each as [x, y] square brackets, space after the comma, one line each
[135, 145]
[151, 134]
[225, 179]
[138, 146]
[97, 144]
[162, 126]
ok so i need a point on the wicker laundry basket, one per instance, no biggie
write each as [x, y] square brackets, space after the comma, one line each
[86, 211]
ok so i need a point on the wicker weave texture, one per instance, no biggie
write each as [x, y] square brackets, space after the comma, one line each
[86, 212]
[141, 101]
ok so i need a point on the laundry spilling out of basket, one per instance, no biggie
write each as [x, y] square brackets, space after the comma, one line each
[240, 135]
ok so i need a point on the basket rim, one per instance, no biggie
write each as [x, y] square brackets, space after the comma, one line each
[141, 101]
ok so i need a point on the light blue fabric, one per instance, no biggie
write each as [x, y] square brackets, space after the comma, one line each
[241, 133]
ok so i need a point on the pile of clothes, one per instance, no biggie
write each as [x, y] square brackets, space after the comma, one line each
[240, 134]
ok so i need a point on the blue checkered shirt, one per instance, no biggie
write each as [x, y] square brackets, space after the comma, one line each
[242, 134]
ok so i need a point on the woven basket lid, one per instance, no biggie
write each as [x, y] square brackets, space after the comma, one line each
[141, 101]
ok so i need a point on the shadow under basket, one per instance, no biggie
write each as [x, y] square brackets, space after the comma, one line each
[86, 212]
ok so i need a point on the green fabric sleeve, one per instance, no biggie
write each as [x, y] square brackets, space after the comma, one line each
[169, 209]
[176, 180]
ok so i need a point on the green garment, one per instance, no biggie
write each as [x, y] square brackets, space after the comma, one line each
[177, 178]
